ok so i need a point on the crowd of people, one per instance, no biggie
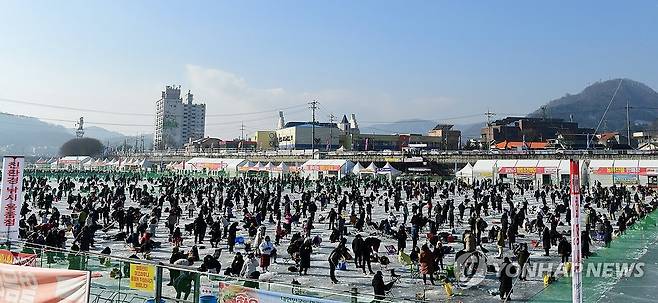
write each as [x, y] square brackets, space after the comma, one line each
[405, 227]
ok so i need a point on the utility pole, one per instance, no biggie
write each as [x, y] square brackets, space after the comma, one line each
[314, 106]
[628, 123]
[241, 135]
[489, 114]
[331, 131]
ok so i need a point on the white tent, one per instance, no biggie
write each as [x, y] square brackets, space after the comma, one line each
[269, 167]
[466, 173]
[71, 162]
[357, 168]
[601, 171]
[279, 170]
[648, 172]
[215, 165]
[484, 169]
[326, 167]
[371, 169]
[389, 170]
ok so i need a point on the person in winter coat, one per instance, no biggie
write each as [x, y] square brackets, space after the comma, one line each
[266, 249]
[236, 265]
[250, 268]
[522, 256]
[232, 233]
[500, 242]
[199, 229]
[380, 288]
[339, 253]
[305, 251]
[358, 245]
[426, 261]
[505, 276]
[564, 249]
[260, 236]
[402, 239]
[546, 240]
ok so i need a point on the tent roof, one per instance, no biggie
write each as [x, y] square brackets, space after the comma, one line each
[466, 171]
[339, 162]
[357, 168]
[626, 163]
[484, 165]
[372, 167]
[526, 163]
[75, 158]
[648, 163]
[601, 163]
[548, 163]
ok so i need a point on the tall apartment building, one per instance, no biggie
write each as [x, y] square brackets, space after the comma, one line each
[177, 121]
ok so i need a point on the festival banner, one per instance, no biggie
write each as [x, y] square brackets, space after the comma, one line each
[12, 196]
[322, 167]
[142, 277]
[231, 293]
[618, 171]
[43, 285]
[527, 170]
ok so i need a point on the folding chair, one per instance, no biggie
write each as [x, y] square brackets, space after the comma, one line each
[413, 267]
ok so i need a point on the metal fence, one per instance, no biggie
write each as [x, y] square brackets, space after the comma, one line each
[111, 279]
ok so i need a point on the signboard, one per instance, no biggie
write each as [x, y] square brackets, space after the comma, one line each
[527, 170]
[230, 293]
[576, 275]
[322, 167]
[43, 285]
[626, 179]
[142, 277]
[617, 171]
[12, 196]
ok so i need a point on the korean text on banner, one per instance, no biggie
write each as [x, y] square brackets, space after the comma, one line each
[142, 277]
[12, 196]
[43, 285]
[576, 258]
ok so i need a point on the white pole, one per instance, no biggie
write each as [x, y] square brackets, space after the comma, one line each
[576, 258]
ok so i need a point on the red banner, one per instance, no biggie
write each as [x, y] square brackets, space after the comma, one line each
[576, 258]
[43, 285]
[642, 171]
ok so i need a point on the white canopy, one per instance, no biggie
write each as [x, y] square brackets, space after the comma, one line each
[389, 169]
[465, 172]
[372, 168]
[484, 168]
[214, 164]
[357, 168]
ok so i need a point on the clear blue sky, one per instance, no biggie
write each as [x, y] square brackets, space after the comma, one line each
[382, 60]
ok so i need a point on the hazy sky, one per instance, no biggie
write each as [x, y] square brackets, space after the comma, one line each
[382, 60]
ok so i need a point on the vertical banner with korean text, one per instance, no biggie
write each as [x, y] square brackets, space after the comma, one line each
[576, 258]
[12, 196]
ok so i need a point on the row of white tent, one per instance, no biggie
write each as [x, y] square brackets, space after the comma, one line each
[311, 168]
[605, 172]
[89, 163]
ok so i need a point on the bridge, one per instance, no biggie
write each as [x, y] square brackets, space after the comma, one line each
[438, 157]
